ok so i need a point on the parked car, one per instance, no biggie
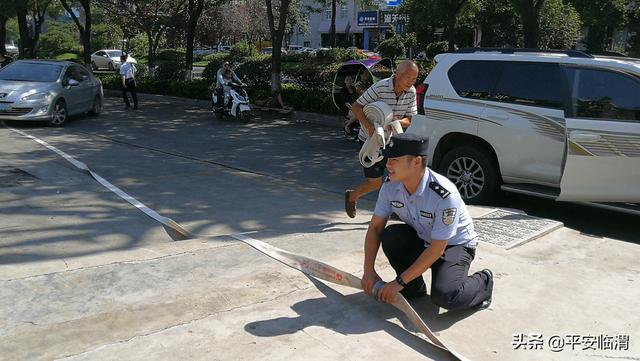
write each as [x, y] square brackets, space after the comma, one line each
[11, 49]
[295, 49]
[204, 51]
[48, 90]
[563, 125]
[270, 51]
[108, 59]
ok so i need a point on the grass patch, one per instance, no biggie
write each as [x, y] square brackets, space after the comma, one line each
[68, 56]
[200, 63]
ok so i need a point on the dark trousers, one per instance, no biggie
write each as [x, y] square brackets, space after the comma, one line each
[451, 287]
[219, 94]
[131, 87]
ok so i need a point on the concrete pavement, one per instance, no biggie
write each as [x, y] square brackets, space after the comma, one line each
[84, 275]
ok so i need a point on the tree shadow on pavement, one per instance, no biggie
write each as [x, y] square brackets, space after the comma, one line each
[354, 314]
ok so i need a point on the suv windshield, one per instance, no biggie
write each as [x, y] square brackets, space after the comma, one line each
[31, 72]
[114, 54]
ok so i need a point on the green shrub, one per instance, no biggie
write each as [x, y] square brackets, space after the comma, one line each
[174, 70]
[436, 48]
[314, 77]
[59, 39]
[338, 55]
[194, 89]
[175, 55]
[105, 36]
[256, 71]
[142, 70]
[215, 63]
[392, 48]
[424, 68]
[139, 46]
[242, 50]
[298, 58]
[308, 100]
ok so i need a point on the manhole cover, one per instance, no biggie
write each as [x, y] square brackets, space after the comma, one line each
[10, 176]
[509, 229]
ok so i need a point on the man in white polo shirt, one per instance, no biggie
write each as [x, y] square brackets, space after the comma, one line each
[398, 92]
[128, 73]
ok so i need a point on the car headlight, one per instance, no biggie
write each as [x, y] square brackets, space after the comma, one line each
[42, 96]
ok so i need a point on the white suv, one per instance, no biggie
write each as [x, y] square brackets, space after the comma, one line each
[558, 124]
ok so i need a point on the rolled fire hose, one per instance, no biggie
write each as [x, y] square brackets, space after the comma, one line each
[381, 116]
[307, 265]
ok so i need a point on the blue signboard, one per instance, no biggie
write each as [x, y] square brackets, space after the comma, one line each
[367, 18]
[392, 3]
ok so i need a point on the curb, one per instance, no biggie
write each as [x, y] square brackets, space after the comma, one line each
[300, 117]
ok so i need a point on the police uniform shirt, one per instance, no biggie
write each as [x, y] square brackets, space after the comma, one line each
[435, 210]
[127, 70]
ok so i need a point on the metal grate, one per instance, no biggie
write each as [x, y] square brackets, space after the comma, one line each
[509, 229]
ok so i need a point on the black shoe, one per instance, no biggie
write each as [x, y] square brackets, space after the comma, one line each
[135, 107]
[349, 207]
[486, 303]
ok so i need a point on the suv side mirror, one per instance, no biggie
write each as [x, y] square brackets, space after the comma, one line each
[73, 82]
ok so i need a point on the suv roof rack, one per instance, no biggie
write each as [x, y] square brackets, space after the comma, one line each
[571, 53]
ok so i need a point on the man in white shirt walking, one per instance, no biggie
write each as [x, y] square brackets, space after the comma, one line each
[128, 72]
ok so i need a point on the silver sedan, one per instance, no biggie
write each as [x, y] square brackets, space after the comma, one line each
[48, 90]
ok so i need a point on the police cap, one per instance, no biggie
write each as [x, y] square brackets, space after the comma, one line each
[406, 144]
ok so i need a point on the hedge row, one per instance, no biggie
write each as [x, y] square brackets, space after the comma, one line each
[306, 88]
[298, 97]
[194, 89]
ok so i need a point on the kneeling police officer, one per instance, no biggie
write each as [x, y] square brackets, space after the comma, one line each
[437, 233]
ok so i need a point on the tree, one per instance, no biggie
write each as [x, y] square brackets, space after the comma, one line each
[529, 11]
[633, 45]
[453, 8]
[499, 23]
[37, 9]
[151, 17]
[277, 25]
[83, 29]
[392, 47]
[560, 25]
[7, 10]
[194, 11]
[426, 16]
[602, 17]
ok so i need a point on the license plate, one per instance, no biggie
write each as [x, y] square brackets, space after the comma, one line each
[5, 107]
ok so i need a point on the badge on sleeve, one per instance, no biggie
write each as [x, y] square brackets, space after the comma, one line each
[448, 215]
[397, 204]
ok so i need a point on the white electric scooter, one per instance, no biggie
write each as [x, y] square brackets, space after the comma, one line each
[236, 102]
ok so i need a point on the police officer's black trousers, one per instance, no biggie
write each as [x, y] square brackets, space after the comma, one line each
[451, 287]
[131, 87]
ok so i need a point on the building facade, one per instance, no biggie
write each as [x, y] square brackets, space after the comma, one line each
[362, 28]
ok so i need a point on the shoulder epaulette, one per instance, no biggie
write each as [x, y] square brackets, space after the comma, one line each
[440, 190]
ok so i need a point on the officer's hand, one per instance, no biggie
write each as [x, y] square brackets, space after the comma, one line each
[368, 280]
[388, 292]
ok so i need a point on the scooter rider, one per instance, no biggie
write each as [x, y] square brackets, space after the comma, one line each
[224, 76]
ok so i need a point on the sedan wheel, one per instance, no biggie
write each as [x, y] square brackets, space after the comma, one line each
[60, 114]
[94, 66]
[111, 66]
[97, 106]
